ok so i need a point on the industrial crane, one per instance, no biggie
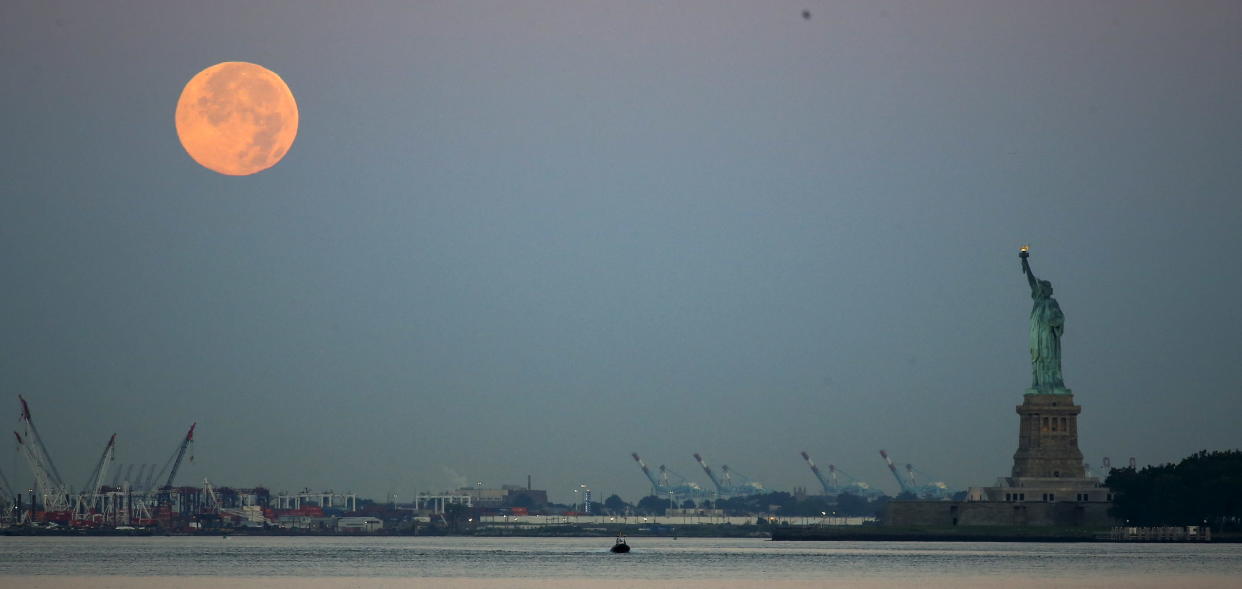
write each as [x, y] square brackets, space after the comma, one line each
[655, 485]
[832, 484]
[829, 489]
[931, 490]
[725, 487]
[55, 497]
[832, 475]
[88, 500]
[33, 433]
[100, 472]
[175, 460]
[744, 486]
[47, 479]
[905, 487]
[663, 487]
[855, 486]
[711, 475]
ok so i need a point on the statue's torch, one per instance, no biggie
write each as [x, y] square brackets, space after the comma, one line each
[1024, 252]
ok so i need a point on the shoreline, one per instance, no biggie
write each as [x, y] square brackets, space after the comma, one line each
[777, 534]
[969, 534]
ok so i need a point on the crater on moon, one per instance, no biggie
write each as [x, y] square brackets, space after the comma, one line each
[236, 118]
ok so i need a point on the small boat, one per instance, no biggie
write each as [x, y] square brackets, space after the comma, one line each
[620, 547]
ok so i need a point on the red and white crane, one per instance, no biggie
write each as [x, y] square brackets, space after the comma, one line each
[829, 488]
[55, 494]
[100, 472]
[89, 502]
[710, 475]
[905, 486]
[175, 461]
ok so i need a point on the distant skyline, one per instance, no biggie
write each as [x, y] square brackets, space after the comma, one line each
[520, 238]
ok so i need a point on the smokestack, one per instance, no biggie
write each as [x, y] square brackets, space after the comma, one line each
[528, 487]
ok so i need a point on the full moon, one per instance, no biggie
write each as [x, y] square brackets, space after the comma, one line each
[236, 118]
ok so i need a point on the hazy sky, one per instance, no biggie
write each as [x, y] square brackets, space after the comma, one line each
[531, 237]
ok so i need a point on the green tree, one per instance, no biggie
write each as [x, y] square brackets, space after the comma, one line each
[652, 505]
[615, 505]
[1203, 487]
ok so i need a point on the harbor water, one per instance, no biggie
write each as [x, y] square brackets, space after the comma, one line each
[457, 562]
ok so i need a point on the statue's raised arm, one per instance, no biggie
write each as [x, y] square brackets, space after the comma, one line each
[1025, 253]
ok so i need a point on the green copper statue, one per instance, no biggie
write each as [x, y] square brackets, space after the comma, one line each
[1047, 325]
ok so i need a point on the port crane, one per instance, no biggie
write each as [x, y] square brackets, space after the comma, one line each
[54, 496]
[681, 487]
[928, 490]
[829, 489]
[54, 493]
[724, 484]
[655, 484]
[89, 500]
[832, 484]
[174, 461]
[910, 484]
[100, 472]
[905, 486]
[664, 486]
[32, 432]
[855, 486]
[744, 484]
[95, 502]
[710, 475]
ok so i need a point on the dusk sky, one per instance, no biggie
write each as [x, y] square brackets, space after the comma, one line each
[520, 238]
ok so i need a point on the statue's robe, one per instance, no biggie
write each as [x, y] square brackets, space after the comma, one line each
[1047, 325]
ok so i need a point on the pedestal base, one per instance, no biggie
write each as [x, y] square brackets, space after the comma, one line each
[1048, 438]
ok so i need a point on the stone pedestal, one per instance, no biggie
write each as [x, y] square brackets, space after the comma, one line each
[1048, 438]
[1049, 486]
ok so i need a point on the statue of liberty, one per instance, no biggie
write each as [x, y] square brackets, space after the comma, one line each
[1047, 325]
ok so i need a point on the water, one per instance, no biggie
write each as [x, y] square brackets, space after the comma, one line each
[332, 562]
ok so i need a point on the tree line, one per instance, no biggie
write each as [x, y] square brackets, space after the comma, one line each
[1204, 488]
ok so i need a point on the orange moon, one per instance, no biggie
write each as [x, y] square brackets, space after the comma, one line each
[237, 118]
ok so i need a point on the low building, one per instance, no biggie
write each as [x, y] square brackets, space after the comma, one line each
[506, 496]
[295, 521]
[485, 498]
[524, 497]
[359, 525]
